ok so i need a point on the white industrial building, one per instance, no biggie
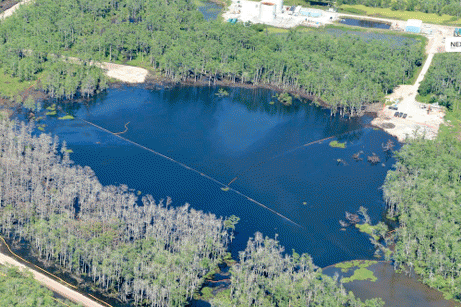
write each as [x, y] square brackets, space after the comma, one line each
[274, 13]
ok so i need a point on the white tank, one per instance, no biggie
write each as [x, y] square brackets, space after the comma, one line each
[278, 6]
[267, 12]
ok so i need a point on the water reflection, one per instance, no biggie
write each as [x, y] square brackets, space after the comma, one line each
[243, 136]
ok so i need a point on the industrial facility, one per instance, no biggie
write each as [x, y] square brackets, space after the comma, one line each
[274, 13]
[413, 25]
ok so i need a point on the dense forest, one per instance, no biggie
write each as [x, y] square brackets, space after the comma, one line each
[21, 289]
[424, 193]
[424, 190]
[449, 7]
[145, 253]
[442, 83]
[172, 38]
[266, 276]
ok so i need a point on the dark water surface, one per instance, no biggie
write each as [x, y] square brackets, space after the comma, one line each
[237, 136]
[364, 23]
[396, 289]
[210, 10]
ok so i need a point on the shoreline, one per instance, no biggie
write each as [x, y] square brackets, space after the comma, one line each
[367, 109]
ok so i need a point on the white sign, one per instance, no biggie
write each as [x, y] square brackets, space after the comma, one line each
[453, 44]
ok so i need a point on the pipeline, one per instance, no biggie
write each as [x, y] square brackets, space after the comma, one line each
[287, 152]
[226, 187]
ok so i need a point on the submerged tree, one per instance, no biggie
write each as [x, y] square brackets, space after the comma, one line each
[267, 276]
[151, 253]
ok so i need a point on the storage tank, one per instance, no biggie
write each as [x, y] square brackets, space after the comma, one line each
[267, 12]
[278, 6]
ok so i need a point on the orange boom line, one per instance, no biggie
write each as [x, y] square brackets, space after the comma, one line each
[194, 170]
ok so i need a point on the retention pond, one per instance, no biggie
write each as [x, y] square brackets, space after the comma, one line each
[364, 23]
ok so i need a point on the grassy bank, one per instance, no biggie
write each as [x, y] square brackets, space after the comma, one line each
[12, 87]
[402, 15]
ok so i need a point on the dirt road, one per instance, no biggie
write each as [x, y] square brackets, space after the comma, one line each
[52, 284]
[419, 120]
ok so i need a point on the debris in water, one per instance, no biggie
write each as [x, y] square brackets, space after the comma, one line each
[357, 157]
[352, 217]
[389, 146]
[373, 159]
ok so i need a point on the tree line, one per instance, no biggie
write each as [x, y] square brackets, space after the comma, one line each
[19, 288]
[267, 276]
[442, 83]
[345, 71]
[424, 193]
[147, 252]
[449, 7]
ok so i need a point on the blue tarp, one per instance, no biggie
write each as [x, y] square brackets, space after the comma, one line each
[413, 29]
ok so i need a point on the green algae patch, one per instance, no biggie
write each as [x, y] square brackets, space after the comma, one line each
[360, 274]
[222, 93]
[336, 144]
[66, 117]
[51, 113]
[225, 189]
[367, 228]
[345, 266]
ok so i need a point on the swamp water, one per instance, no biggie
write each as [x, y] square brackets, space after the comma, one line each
[210, 10]
[279, 186]
[364, 23]
[241, 136]
[396, 289]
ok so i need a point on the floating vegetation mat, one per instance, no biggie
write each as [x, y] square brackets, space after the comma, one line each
[336, 144]
[360, 274]
[66, 117]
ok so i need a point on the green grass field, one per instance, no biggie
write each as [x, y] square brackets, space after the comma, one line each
[403, 15]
